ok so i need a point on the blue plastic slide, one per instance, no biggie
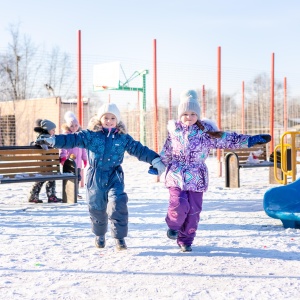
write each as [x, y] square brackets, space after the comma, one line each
[283, 203]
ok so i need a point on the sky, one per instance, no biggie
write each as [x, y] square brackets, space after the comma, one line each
[239, 253]
[186, 32]
[248, 32]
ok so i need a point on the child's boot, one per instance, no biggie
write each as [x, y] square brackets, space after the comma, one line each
[54, 199]
[100, 241]
[172, 234]
[185, 248]
[35, 199]
[120, 244]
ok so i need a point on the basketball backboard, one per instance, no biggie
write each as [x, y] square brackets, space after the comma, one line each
[106, 76]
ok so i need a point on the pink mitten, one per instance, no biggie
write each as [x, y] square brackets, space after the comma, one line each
[62, 160]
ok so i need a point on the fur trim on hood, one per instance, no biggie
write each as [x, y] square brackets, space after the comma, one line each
[95, 125]
[171, 126]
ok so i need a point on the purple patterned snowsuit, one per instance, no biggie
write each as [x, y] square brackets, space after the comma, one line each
[184, 154]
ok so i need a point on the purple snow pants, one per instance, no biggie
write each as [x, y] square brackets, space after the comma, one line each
[184, 214]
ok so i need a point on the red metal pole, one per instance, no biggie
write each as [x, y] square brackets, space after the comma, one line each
[272, 104]
[219, 88]
[243, 107]
[155, 115]
[285, 105]
[79, 96]
[170, 104]
[203, 102]
[219, 108]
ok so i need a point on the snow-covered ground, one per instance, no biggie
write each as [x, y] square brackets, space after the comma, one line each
[47, 250]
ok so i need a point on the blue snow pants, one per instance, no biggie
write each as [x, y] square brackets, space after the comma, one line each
[114, 202]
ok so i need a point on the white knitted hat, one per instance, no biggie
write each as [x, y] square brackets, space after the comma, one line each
[70, 118]
[109, 108]
[188, 102]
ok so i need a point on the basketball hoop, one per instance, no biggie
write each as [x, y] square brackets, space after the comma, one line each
[101, 87]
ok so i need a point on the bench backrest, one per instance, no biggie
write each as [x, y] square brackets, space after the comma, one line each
[244, 153]
[28, 159]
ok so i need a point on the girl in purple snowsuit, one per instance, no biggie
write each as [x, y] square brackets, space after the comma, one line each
[184, 153]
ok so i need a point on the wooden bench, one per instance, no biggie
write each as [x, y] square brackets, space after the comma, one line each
[33, 164]
[235, 159]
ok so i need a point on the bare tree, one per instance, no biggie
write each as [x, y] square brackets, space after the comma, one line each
[58, 70]
[15, 67]
[26, 72]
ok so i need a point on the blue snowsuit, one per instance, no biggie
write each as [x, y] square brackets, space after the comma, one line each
[105, 178]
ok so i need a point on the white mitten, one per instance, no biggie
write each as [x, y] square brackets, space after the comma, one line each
[158, 165]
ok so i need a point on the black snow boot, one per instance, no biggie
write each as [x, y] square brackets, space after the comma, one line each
[120, 244]
[185, 248]
[172, 234]
[100, 241]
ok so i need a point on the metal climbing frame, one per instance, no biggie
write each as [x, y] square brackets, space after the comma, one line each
[285, 149]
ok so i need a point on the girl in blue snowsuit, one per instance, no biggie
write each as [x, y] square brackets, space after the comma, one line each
[106, 142]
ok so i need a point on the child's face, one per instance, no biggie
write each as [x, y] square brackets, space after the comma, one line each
[74, 127]
[52, 131]
[189, 118]
[108, 121]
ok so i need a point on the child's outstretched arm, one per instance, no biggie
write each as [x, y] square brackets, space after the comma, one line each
[143, 153]
[66, 141]
[233, 140]
[259, 139]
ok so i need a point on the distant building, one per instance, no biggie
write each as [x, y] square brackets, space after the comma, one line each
[17, 118]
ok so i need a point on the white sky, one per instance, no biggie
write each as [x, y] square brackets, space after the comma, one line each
[186, 32]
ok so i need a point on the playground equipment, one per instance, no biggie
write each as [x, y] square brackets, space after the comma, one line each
[283, 202]
[107, 77]
[288, 157]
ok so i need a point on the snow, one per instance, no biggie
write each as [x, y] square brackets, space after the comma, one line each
[48, 252]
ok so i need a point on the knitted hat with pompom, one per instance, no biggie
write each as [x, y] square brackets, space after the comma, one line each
[188, 102]
[70, 118]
